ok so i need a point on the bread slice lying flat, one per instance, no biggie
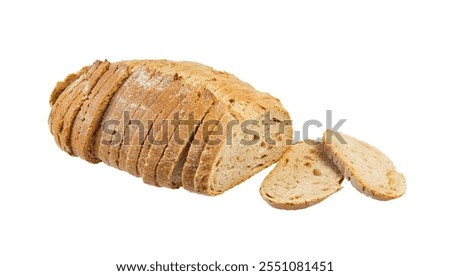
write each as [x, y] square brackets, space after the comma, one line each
[303, 177]
[368, 169]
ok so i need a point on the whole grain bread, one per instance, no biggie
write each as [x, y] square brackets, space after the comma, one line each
[369, 170]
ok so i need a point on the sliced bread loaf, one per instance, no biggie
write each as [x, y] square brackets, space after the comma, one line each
[369, 170]
[303, 177]
[251, 134]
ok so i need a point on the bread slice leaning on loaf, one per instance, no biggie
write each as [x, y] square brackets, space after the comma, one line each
[250, 130]
[369, 170]
[304, 176]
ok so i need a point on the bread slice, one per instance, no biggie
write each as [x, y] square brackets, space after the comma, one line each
[161, 135]
[71, 124]
[103, 138]
[144, 96]
[369, 170]
[181, 139]
[150, 112]
[62, 102]
[304, 176]
[185, 175]
[173, 101]
[91, 114]
[78, 123]
[131, 101]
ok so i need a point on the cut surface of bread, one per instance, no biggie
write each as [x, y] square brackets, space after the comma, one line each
[304, 176]
[369, 170]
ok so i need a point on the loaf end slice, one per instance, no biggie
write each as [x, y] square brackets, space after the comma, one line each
[304, 176]
[369, 170]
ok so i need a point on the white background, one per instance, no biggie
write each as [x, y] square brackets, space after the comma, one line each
[382, 65]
